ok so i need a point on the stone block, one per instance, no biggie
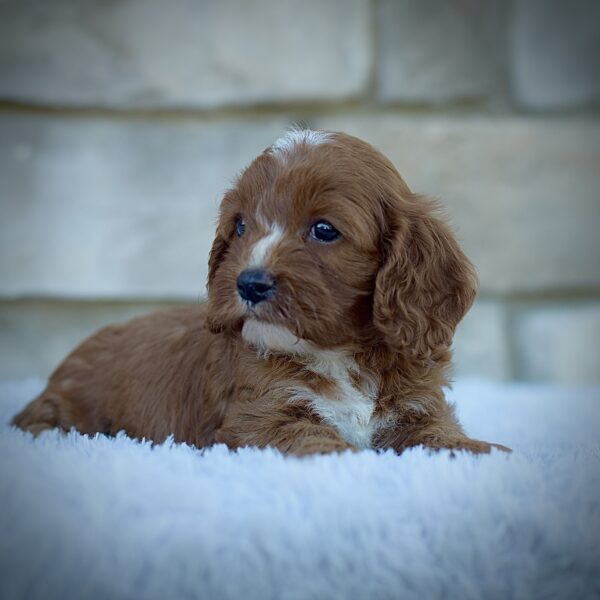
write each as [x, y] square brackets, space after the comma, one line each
[522, 193]
[436, 51]
[481, 345]
[36, 335]
[107, 208]
[558, 343]
[555, 53]
[183, 53]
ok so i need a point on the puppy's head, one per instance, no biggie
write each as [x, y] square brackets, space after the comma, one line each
[321, 243]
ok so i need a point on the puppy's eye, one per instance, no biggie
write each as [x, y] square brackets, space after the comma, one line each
[240, 226]
[323, 231]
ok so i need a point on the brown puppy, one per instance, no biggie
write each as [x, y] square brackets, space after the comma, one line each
[334, 292]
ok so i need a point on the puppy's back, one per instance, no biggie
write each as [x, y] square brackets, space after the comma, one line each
[152, 376]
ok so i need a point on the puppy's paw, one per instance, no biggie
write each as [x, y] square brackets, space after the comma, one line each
[39, 415]
[476, 446]
[463, 444]
[322, 446]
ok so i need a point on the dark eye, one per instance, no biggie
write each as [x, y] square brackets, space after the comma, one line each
[240, 226]
[323, 231]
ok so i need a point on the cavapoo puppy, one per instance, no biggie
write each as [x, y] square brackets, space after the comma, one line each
[333, 296]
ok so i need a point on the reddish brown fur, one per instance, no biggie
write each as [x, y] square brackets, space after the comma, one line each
[388, 294]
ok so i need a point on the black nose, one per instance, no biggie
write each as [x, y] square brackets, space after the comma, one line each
[255, 285]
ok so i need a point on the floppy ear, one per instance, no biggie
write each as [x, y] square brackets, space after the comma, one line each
[425, 284]
[217, 252]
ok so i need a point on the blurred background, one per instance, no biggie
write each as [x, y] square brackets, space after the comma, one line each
[122, 122]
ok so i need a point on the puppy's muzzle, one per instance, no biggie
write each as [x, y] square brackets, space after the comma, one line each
[255, 285]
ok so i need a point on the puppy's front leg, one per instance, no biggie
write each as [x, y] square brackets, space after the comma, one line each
[438, 430]
[289, 428]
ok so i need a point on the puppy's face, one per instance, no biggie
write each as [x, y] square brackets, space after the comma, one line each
[311, 242]
[297, 244]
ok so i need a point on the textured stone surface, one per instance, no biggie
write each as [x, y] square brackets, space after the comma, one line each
[522, 193]
[99, 208]
[439, 50]
[35, 335]
[555, 53]
[183, 53]
[559, 343]
[481, 347]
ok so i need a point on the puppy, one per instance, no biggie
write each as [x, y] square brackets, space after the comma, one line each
[333, 296]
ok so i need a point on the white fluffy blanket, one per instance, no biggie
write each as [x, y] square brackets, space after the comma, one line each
[114, 518]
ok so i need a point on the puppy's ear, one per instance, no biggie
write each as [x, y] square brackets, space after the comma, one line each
[218, 250]
[425, 284]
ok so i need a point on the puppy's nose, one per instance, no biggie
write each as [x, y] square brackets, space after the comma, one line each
[255, 285]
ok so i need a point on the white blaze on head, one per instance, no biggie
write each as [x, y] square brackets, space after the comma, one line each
[263, 248]
[295, 137]
[281, 148]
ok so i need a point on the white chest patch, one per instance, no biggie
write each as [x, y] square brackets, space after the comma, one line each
[350, 409]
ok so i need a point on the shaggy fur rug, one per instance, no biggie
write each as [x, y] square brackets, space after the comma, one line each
[114, 518]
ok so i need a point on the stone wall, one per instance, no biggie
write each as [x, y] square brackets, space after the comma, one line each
[122, 122]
